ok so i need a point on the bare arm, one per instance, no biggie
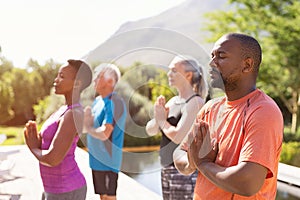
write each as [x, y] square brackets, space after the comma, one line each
[236, 179]
[61, 142]
[245, 179]
[152, 127]
[102, 133]
[182, 162]
[178, 132]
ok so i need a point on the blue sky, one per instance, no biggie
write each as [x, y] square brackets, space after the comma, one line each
[63, 29]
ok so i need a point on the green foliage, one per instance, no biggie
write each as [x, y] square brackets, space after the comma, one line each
[291, 137]
[290, 153]
[159, 86]
[137, 106]
[6, 91]
[20, 89]
[5, 66]
[6, 102]
[276, 26]
[47, 106]
[14, 135]
[140, 86]
[47, 73]
[131, 141]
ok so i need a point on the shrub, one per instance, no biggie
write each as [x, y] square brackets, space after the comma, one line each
[290, 153]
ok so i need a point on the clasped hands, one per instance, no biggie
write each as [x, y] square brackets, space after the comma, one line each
[160, 111]
[88, 120]
[31, 135]
[199, 145]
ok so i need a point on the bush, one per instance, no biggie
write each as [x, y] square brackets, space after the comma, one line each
[131, 141]
[289, 137]
[290, 153]
[14, 135]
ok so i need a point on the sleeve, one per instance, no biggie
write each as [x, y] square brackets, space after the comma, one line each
[109, 114]
[263, 137]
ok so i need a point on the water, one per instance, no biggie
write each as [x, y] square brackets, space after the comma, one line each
[145, 169]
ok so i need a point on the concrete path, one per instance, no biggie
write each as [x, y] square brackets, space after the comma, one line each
[23, 182]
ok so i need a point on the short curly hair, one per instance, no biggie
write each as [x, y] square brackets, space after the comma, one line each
[83, 72]
[250, 47]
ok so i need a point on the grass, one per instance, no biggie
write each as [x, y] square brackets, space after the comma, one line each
[14, 135]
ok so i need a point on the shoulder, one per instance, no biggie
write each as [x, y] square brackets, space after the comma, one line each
[195, 102]
[264, 103]
[116, 99]
[172, 100]
[214, 102]
[117, 104]
[74, 114]
[211, 106]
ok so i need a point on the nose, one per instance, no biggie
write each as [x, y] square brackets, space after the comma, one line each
[169, 73]
[212, 63]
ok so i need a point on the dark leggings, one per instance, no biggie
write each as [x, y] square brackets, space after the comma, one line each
[79, 194]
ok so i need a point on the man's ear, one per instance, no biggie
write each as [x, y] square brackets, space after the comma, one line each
[110, 81]
[248, 65]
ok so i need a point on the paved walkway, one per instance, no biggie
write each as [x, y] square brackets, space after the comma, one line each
[23, 181]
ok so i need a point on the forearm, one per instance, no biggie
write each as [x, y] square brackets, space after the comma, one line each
[152, 128]
[173, 133]
[170, 131]
[182, 163]
[235, 179]
[98, 133]
[45, 158]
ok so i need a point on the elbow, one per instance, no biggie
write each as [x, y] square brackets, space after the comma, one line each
[183, 168]
[249, 190]
[51, 162]
[175, 137]
[151, 130]
[181, 162]
[177, 140]
[54, 163]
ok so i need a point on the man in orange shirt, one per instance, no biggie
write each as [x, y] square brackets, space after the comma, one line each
[235, 142]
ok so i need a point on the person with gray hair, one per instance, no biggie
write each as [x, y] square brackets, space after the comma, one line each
[174, 119]
[105, 124]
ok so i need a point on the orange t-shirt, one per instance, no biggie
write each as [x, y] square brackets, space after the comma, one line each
[248, 129]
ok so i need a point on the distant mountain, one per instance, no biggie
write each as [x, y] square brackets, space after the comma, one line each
[156, 40]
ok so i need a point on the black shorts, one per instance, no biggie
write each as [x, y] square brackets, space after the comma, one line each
[105, 182]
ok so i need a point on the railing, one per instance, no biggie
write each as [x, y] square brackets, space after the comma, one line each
[289, 179]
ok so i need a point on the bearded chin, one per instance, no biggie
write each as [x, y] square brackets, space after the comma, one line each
[218, 83]
[230, 84]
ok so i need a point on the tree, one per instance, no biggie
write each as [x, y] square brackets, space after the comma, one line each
[48, 72]
[6, 102]
[276, 26]
[6, 91]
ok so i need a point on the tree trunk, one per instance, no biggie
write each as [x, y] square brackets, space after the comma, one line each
[294, 123]
[295, 98]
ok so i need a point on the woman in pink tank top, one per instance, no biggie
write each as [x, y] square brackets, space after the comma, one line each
[55, 144]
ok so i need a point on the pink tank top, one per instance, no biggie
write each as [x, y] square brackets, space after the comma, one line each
[66, 176]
